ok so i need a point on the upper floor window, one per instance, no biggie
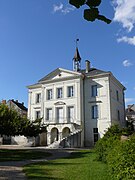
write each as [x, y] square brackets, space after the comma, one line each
[38, 98]
[38, 115]
[49, 94]
[49, 114]
[117, 95]
[94, 112]
[70, 91]
[94, 90]
[59, 93]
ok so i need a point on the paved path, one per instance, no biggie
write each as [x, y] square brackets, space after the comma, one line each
[12, 170]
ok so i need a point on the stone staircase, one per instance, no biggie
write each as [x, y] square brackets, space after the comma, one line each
[67, 142]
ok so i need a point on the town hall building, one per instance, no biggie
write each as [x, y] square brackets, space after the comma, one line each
[77, 106]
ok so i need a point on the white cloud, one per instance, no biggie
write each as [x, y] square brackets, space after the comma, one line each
[62, 9]
[129, 100]
[125, 13]
[127, 63]
[57, 7]
[127, 40]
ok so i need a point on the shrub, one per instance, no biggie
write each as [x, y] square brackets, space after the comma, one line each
[105, 144]
[121, 160]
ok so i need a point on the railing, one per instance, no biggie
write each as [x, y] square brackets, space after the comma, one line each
[72, 140]
[61, 121]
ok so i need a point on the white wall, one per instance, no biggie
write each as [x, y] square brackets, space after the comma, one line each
[103, 101]
[117, 104]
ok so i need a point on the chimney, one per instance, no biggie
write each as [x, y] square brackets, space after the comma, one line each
[3, 101]
[23, 103]
[87, 66]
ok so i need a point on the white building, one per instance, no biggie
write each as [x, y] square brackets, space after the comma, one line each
[77, 106]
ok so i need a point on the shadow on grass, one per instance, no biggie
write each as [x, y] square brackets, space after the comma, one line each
[20, 155]
[79, 154]
[40, 173]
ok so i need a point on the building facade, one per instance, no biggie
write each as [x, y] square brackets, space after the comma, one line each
[77, 106]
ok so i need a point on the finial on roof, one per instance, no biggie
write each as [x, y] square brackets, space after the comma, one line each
[77, 55]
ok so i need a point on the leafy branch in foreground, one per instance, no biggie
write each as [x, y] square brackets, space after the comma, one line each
[92, 13]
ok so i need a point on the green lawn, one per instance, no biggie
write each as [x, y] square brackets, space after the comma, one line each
[80, 166]
[19, 155]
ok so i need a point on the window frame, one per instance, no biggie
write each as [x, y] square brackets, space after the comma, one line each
[59, 95]
[70, 91]
[117, 95]
[69, 117]
[47, 114]
[95, 135]
[38, 98]
[49, 94]
[118, 114]
[94, 91]
[95, 111]
[37, 114]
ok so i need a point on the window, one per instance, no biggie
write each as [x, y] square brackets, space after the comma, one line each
[94, 112]
[38, 115]
[38, 98]
[49, 94]
[70, 91]
[95, 133]
[60, 114]
[117, 95]
[71, 114]
[49, 114]
[118, 114]
[94, 90]
[59, 93]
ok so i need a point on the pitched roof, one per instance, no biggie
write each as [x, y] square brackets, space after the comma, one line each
[20, 105]
[77, 55]
[57, 71]
[93, 71]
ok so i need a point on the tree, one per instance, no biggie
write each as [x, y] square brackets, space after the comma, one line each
[11, 123]
[92, 13]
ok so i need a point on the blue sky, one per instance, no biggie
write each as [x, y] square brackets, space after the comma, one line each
[38, 36]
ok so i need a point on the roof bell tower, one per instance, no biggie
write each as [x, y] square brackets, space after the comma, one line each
[77, 59]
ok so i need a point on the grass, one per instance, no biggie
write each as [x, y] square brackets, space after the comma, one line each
[19, 155]
[80, 166]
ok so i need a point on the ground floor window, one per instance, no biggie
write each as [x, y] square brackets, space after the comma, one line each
[70, 114]
[49, 114]
[38, 115]
[95, 134]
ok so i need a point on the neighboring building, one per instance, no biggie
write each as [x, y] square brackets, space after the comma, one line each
[16, 105]
[130, 114]
[22, 110]
[77, 106]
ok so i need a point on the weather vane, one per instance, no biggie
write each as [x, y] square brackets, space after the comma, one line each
[77, 42]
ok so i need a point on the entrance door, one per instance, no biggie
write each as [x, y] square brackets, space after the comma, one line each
[60, 115]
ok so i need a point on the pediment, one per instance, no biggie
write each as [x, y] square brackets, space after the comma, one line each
[59, 74]
[60, 103]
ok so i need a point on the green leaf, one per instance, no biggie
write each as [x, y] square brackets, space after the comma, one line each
[77, 3]
[91, 14]
[103, 18]
[93, 3]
